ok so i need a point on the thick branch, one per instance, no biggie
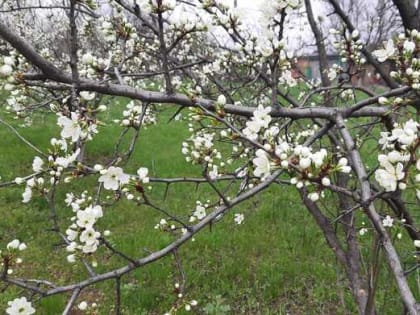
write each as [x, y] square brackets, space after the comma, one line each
[409, 15]
[391, 254]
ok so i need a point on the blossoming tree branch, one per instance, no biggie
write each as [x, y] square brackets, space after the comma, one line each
[248, 130]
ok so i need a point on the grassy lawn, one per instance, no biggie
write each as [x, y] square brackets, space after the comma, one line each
[276, 262]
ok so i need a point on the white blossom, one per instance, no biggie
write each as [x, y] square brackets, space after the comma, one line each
[71, 128]
[113, 177]
[332, 74]
[221, 100]
[406, 135]
[71, 234]
[396, 156]
[260, 119]
[22, 246]
[388, 221]
[71, 247]
[214, 172]
[65, 161]
[252, 129]
[37, 164]
[142, 172]
[363, 231]
[239, 218]
[82, 306]
[19, 180]
[384, 54]
[89, 236]
[389, 175]
[87, 58]
[27, 195]
[8, 60]
[200, 212]
[87, 95]
[262, 164]
[262, 115]
[89, 248]
[409, 46]
[343, 167]
[304, 162]
[326, 181]
[13, 244]
[382, 100]
[5, 70]
[85, 219]
[314, 196]
[20, 306]
[71, 258]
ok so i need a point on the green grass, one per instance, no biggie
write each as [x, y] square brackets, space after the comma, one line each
[276, 262]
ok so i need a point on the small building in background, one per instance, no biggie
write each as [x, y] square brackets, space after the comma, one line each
[308, 67]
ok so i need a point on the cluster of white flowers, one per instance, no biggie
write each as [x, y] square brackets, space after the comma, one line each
[407, 59]
[114, 178]
[91, 65]
[59, 159]
[16, 244]
[222, 63]
[143, 173]
[186, 22]
[349, 46]
[347, 95]
[6, 66]
[405, 136]
[318, 162]
[155, 6]
[304, 165]
[76, 127]
[107, 30]
[84, 306]
[166, 226]
[161, 225]
[20, 306]
[334, 71]
[12, 248]
[53, 166]
[387, 52]
[390, 174]
[401, 144]
[134, 113]
[199, 148]
[188, 306]
[81, 234]
[32, 183]
[278, 148]
[16, 102]
[199, 212]
[259, 121]
[272, 9]
[17, 99]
